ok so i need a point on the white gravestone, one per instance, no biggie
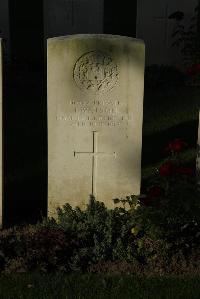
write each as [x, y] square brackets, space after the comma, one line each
[1, 137]
[198, 154]
[154, 27]
[95, 108]
[63, 17]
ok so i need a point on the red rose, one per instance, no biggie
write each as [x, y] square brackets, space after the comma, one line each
[166, 169]
[176, 145]
[185, 171]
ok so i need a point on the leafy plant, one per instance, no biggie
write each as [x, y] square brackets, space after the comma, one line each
[171, 209]
[103, 234]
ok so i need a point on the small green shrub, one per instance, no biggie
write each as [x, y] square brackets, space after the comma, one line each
[103, 234]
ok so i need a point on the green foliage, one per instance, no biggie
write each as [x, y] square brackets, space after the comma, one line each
[103, 234]
[77, 240]
[158, 232]
[170, 212]
[35, 248]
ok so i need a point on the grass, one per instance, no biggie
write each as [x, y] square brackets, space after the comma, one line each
[29, 286]
[169, 114]
[165, 109]
[188, 156]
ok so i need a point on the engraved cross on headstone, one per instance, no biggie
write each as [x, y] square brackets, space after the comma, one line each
[167, 21]
[94, 154]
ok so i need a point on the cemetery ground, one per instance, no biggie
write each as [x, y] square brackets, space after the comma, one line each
[170, 112]
[38, 286]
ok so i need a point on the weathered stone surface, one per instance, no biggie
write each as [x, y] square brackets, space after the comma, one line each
[1, 131]
[95, 109]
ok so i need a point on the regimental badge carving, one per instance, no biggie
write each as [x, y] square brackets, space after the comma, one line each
[96, 72]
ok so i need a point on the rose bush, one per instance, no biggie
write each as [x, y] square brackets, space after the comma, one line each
[176, 146]
[171, 208]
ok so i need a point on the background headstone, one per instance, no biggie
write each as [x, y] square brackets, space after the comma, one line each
[62, 17]
[198, 153]
[1, 136]
[154, 27]
[120, 19]
[95, 108]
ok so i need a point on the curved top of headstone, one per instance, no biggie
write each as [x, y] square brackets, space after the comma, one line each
[97, 36]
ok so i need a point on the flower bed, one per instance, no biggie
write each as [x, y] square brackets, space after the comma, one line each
[157, 232]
